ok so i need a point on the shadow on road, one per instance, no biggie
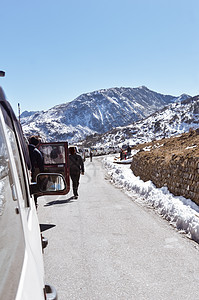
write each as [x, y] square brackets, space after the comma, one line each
[59, 202]
[44, 227]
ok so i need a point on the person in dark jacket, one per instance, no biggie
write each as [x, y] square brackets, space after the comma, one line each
[36, 159]
[91, 156]
[76, 165]
[128, 151]
[121, 154]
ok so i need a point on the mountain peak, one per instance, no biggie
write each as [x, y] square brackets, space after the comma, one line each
[95, 112]
[143, 87]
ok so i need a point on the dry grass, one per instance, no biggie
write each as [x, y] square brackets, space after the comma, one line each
[186, 145]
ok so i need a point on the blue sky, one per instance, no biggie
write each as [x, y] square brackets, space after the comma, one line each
[54, 51]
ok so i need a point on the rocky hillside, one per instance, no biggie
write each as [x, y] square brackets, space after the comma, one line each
[95, 112]
[172, 120]
[173, 163]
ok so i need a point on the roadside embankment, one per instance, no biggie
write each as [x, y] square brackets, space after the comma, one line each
[171, 162]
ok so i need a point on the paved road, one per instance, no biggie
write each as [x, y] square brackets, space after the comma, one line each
[105, 246]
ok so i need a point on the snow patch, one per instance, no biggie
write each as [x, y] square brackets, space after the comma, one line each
[182, 213]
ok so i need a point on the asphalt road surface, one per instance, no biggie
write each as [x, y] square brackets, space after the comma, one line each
[106, 246]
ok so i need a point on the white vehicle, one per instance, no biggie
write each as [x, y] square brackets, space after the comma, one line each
[21, 258]
[98, 151]
[101, 151]
[86, 152]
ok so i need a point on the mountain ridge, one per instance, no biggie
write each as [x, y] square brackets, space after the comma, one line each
[172, 120]
[96, 112]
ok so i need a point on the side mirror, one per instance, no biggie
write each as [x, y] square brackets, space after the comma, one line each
[49, 184]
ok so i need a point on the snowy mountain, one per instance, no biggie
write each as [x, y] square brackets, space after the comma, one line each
[95, 112]
[172, 120]
[26, 113]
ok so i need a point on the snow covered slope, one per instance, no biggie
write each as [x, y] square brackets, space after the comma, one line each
[174, 119]
[95, 112]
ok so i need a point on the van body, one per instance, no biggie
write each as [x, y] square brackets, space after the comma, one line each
[21, 256]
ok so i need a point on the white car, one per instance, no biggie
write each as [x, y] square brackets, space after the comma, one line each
[21, 257]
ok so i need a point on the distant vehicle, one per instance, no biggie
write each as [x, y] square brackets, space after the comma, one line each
[101, 151]
[21, 258]
[112, 149]
[98, 151]
[86, 152]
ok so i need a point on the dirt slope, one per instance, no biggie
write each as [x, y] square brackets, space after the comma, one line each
[172, 162]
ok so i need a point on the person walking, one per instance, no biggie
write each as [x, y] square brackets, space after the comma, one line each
[128, 151]
[76, 166]
[91, 156]
[121, 154]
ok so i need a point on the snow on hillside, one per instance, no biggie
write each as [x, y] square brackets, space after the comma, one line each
[181, 213]
[174, 119]
[95, 112]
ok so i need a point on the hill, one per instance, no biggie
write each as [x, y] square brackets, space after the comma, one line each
[96, 112]
[172, 120]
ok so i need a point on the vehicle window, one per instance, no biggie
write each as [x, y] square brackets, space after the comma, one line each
[18, 163]
[11, 231]
[53, 154]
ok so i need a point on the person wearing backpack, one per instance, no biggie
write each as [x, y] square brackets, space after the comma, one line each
[76, 166]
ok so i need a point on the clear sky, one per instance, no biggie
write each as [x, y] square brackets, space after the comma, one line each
[54, 51]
